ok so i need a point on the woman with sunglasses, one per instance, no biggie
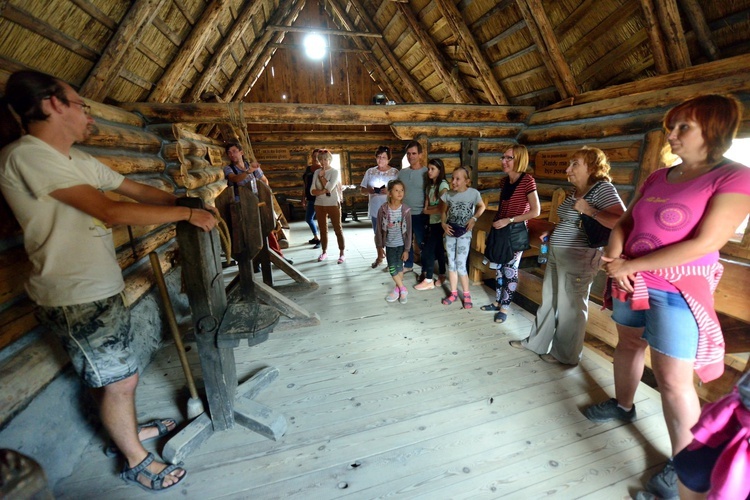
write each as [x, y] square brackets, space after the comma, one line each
[374, 184]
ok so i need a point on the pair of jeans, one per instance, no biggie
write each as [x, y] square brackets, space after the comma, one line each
[433, 250]
[310, 217]
[418, 224]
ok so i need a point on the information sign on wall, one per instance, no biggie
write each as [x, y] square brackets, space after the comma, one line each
[267, 154]
[551, 164]
[214, 156]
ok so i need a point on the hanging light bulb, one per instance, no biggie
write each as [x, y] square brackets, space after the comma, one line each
[315, 46]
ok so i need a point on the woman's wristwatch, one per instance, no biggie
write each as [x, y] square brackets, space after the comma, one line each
[511, 219]
[475, 219]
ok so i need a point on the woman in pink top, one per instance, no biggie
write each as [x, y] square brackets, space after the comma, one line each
[662, 259]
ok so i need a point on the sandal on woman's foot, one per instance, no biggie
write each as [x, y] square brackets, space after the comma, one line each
[163, 425]
[500, 317]
[490, 307]
[467, 301]
[377, 262]
[156, 479]
[341, 260]
[450, 299]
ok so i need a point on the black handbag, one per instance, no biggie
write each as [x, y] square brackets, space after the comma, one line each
[457, 229]
[497, 247]
[519, 237]
[596, 234]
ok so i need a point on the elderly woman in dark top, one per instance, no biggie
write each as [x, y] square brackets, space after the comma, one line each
[560, 324]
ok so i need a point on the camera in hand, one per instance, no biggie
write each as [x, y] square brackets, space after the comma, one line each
[378, 190]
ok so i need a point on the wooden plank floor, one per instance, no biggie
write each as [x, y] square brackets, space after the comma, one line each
[415, 400]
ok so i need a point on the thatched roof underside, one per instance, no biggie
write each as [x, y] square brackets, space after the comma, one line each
[521, 52]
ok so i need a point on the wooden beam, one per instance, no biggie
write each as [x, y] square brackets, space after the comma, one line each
[165, 30]
[612, 57]
[643, 100]
[655, 37]
[129, 33]
[259, 65]
[324, 31]
[258, 46]
[96, 13]
[531, 48]
[189, 51]
[456, 87]
[503, 35]
[541, 31]
[697, 20]
[294, 46]
[418, 94]
[617, 16]
[574, 17]
[43, 29]
[476, 59]
[381, 78]
[236, 32]
[501, 6]
[674, 36]
[695, 74]
[332, 114]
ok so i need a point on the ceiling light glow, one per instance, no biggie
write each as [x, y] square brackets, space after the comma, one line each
[315, 46]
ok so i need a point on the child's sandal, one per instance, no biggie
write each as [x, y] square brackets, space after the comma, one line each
[450, 299]
[467, 302]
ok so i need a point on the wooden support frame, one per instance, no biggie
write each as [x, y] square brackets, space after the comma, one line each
[697, 20]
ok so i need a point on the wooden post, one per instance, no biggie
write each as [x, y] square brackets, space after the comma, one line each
[651, 157]
[208, 302]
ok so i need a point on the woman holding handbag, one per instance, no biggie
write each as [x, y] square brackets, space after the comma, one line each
[560, 323]
[519, 202]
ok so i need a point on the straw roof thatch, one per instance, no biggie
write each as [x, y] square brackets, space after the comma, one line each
[525, 52]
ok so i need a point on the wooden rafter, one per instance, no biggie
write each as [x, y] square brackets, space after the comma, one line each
[269, 50]
[236, 32]
[475, 57]
[655, 37]
[697, 20]
[543, 35]
[323, 31]
[330, 49]
[674, 36]
[501, 6]
[286, 10]
[417, 93]
[41, 28]
[189, 51]
[129, 33]
[456, 87]
[380, 76]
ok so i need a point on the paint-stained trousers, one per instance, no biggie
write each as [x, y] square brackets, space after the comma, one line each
[560, 323]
